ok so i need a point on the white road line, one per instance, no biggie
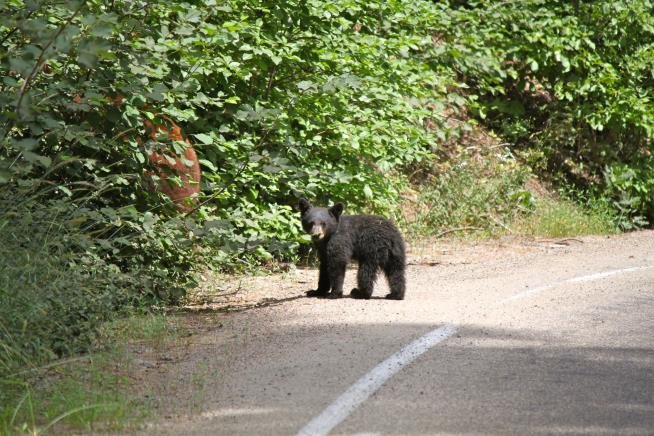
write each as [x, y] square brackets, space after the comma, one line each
[580, 279]
[369, 383]
[341, 408]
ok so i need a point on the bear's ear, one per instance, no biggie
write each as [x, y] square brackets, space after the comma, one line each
[304, 205]
[336, 210]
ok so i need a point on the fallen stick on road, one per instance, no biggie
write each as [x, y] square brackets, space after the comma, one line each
[458, 229]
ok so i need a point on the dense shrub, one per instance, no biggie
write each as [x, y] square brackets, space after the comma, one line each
[281, 99]
[570, 80]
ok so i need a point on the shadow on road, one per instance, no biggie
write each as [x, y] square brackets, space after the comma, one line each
[481, 381]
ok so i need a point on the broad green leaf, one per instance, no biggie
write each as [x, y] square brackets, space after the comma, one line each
[207, 164]
[204, 138]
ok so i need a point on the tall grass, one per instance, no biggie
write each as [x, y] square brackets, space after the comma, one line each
[474, 193]
[54, 297]
[557, 217]
[92, 392]
[487, 195]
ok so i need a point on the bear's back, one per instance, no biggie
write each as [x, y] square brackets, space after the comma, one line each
[369, 234]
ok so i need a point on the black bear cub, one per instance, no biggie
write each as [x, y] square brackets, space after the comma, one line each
[371, 240]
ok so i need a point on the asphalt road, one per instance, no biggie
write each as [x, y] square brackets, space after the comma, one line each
[556, 341]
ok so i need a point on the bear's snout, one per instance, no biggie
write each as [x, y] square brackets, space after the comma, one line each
[317, 232]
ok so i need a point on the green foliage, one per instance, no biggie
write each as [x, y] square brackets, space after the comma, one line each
[570, 79]
[332, 100]
[631, 186]
[280, 99]
[80, 395]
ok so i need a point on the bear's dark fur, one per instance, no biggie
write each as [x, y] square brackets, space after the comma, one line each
[371, 240]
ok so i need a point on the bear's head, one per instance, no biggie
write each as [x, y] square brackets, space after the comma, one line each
[320, 222]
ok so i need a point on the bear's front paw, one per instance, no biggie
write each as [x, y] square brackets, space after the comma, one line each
[335, 295]
[356, 293]
[316, 293]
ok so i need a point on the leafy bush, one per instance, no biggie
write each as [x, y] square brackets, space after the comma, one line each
[631, 185]
[570, 79]
[281, 99]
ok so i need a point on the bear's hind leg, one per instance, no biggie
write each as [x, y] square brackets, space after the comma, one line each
[365, 280]
[394, 271]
